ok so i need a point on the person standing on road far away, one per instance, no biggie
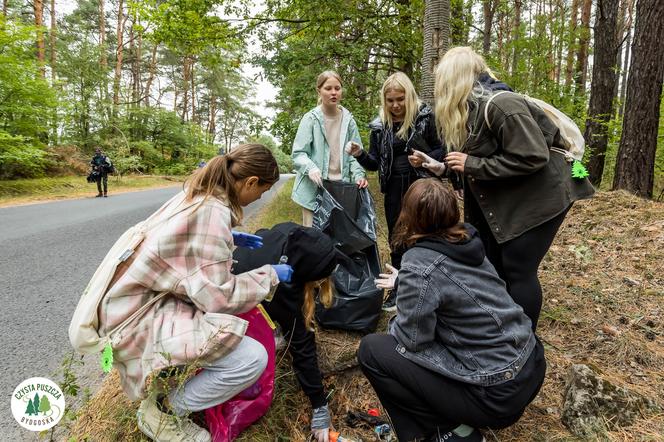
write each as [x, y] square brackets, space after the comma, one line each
[460, 354]
[102, 165]
[517, 190]
[404, 124]
[189, 257]
[318, 150]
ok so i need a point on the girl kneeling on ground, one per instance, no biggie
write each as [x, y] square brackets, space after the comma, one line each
[188, 256]
[313, 257]
[460, 353]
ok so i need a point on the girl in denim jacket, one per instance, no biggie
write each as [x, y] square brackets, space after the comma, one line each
[460, 353]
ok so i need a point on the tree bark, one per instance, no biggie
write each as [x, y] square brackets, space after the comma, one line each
[488, 11]
[436, 42]
[38, 8]
[569, 69]
[635, 164]
[603, 86]
[4, 8]
[103, 61]
[626, 58]
[582, 52]
[152, 70]
[516, 33]
[52, 41]
[119, 54]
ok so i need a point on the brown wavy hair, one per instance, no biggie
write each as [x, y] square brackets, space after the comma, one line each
[429, 208]
[218, 177]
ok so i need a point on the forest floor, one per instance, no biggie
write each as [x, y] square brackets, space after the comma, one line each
[603, 282]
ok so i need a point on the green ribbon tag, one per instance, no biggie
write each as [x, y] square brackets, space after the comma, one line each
[579, 171]
[107, 358]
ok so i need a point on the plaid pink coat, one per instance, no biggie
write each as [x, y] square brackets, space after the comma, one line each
[189, 256]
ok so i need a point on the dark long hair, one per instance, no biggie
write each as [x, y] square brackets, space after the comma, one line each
[429, 208]
[218, 177]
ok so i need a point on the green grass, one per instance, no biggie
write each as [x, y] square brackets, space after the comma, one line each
[37, 189]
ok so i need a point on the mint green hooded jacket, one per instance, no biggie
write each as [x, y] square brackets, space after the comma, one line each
[310, 149]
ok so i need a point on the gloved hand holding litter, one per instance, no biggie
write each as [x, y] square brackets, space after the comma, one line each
[316, 177]
[420, 159]
[353, 148]
[247, 240]
[284, 272]
[387, 280]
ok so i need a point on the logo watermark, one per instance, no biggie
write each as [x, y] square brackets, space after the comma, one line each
[38, 404]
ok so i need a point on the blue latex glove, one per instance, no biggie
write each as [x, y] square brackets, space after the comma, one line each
[247, 240]
[284, 272]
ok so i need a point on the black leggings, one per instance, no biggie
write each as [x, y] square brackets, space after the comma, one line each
[518, 259]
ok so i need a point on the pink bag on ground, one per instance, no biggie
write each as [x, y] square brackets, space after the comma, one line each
[226, 421]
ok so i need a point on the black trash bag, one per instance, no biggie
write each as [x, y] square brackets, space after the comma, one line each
[352, 229]
[357, 301]
[357, 304]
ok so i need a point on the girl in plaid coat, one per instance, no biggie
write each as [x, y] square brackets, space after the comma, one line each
[190, 256]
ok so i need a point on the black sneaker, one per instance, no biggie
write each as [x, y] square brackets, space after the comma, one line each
[450, 436]
[390, 303]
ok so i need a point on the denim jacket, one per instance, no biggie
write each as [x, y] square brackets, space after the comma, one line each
[454, 315]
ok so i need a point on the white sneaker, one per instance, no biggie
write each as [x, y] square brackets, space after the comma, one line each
[164, 427]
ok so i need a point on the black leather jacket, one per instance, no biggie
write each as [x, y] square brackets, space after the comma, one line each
[423, 138]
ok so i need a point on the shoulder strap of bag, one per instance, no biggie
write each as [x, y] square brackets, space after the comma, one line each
[486, 107]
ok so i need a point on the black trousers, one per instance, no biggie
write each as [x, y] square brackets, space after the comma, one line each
[102, 178]
[302, 347]
[419, 400]
[396, 188]
[517, 261]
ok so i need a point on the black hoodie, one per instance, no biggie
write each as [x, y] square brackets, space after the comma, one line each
[469, 252]
[312, 255]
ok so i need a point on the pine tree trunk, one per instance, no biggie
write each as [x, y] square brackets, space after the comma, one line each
[436, 42]
[487, 12]
[52, 41]
[38, 7]
[119, 54]
[603, 86]
[582, 53]
[626, 59]
[516, 33]
[102, 36]
[153, 68]
[4, 8]
[193, 91]
[569, 69]
[635, 164]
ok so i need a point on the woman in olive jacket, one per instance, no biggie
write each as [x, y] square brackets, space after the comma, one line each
[517, 191]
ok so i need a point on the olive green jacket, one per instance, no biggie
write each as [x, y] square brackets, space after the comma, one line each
[516, 182]
[310, 149]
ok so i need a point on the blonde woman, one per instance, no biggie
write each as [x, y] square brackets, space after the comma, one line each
[313, 257]
[517, 191]
[404, 124]
[318, 149]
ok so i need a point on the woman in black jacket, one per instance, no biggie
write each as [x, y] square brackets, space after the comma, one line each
[313, 257]
[404, 124]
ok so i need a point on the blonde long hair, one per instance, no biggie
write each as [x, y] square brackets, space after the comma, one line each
[324, 295]
[455, 85]
[323, 77]
[399, 82]
[218, 177]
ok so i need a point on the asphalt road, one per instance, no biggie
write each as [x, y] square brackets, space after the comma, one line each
[48, 252]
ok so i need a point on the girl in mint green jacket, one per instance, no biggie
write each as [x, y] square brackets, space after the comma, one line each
[319, 147]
